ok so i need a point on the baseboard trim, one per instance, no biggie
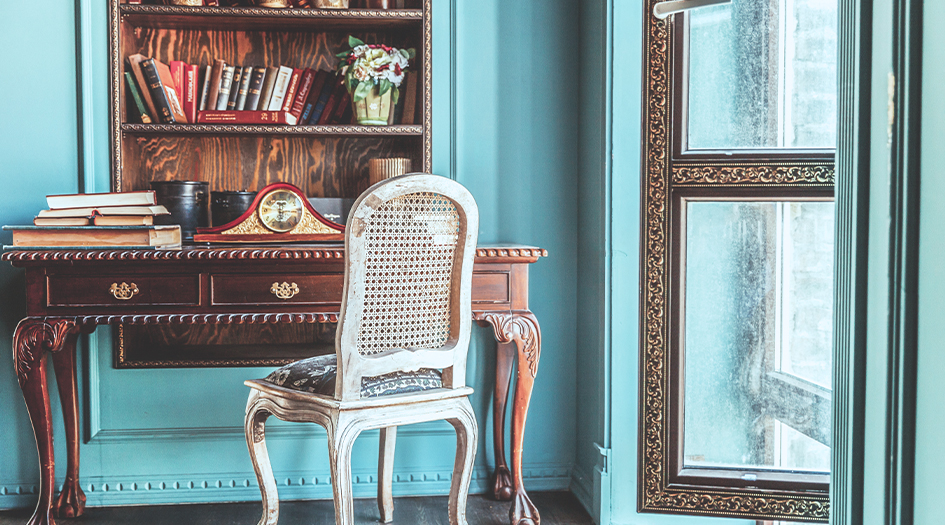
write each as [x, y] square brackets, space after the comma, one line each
[583, 489]
[294, 485]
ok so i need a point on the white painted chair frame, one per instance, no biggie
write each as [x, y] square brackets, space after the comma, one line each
[347, 414]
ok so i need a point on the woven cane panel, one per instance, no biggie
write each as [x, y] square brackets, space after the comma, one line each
[410, 246]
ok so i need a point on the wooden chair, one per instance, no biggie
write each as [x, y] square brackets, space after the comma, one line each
[401, 344]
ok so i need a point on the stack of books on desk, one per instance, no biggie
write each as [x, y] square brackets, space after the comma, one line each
[97, 220]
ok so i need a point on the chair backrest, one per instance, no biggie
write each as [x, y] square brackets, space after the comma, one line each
[409, 248]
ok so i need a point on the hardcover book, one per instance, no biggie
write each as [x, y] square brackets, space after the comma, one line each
[62, 221]
[290, 91]
[104, 210]
[156, 236]
[205, 88]
[216, 78]
[135, 96]
[255, 88]
[120, 220]
[223, 91]
[325, 93]
[158, 76]
[283, 77]
[245, 77]
[265, 95]
[86, 200]
[242, 117]
[235, 88]
[191, 73]
[336, 95]
[301, 95]
[134, 62]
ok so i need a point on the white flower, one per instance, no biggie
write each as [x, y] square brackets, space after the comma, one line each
[359, 51]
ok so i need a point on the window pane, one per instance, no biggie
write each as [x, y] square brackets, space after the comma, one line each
[758, 321]
[763, 74]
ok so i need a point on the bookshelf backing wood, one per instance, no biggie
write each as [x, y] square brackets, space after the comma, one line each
[324, 161]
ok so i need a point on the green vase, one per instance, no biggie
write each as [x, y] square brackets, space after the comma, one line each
[374, 109]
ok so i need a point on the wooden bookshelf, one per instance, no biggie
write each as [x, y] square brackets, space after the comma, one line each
[324, 161]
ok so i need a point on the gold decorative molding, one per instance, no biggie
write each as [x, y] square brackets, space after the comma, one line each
[655, 492]
[753, 175]
[307, 13]
[334, 129]
[307, 226]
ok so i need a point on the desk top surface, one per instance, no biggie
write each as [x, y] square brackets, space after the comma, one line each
[508, 253]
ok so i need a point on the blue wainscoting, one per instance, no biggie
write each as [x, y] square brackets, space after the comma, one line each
[506, 124]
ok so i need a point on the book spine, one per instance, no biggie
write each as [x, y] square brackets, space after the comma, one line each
[332, 103]
[242, 117]
[223, 92]
[134, 62]
[313, 95]
[190, 92]
[216, 75]
[265, 96]
[244, 88]
[409, 94]
[158, 94]
[278, 92]
[301, 95]
[136, 98]
[323, 97]
[343, 104]
[177, 75]
[290, 91]
[255, 89]
[205, 91]
[234, 88]
[173, 96]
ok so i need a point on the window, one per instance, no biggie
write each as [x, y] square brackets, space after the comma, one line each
[740, 131]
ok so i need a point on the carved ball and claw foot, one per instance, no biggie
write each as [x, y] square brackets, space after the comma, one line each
[71, 500]
[523, 511]
[502, 484]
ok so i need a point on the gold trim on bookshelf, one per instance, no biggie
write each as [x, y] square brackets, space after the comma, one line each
[348, 14]
[405, 129]
[427, 86]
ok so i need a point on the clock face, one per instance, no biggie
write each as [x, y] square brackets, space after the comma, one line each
[281, 210]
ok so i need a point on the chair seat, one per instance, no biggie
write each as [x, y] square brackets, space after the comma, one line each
[316, 375]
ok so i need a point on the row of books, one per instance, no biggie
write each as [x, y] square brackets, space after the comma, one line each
[168, 94]
[98, 220]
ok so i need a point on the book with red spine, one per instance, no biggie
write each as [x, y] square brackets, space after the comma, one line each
[321, 77]
[301, 95]
[344, 104]
[189, 88]
[291, 90]
[242, 117]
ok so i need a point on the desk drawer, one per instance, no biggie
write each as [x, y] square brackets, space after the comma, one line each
[123, 290]
[269, 289]
[490, 288]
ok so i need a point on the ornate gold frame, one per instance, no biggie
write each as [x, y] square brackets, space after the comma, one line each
[661, 175]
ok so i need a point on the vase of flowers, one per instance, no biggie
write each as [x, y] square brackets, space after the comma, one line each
[372, 74]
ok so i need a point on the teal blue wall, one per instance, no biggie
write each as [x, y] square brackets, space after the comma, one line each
[505, 126]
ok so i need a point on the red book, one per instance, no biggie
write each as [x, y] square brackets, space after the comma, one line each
[301, 95]
[242, 117]
[344, 104]
[290, 92]
[177, 73]
[332, 104]
[190, 102]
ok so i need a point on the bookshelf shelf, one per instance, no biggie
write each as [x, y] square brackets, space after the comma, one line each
[249, 129]
[324, 161]
[261, 18]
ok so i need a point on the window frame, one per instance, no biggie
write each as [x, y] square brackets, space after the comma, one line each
[672, 174]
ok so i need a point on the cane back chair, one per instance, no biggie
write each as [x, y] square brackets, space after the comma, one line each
[401, 344]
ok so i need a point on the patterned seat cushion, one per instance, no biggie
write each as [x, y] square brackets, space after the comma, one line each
[316, 375]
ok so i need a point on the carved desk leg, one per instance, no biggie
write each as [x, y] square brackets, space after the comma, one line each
[520, 327]
[502, 479]
[71, 500]
[33, 338]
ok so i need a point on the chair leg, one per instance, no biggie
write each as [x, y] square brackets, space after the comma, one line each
[467, 434]
[255, 425]
[385, 474]
[340, 442]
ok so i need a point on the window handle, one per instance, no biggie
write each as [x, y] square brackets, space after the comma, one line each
[664, 9]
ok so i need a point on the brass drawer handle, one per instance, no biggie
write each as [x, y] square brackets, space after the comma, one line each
[284, 291]
[123, 291]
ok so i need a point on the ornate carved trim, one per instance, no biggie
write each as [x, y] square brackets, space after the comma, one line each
[256, 318]
[520, 327]
[333, 253]
[754, 175]
[655, 492]
[33, 338]
[332, 14]
[203, 363]
[116, 87]
[217, 129]
[428, 86]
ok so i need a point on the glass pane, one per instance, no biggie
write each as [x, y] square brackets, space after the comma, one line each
[763, 74]
[758, 321]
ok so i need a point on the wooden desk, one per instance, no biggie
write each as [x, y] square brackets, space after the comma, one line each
[70, 292]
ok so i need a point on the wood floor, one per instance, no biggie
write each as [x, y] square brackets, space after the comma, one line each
[557, 508]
